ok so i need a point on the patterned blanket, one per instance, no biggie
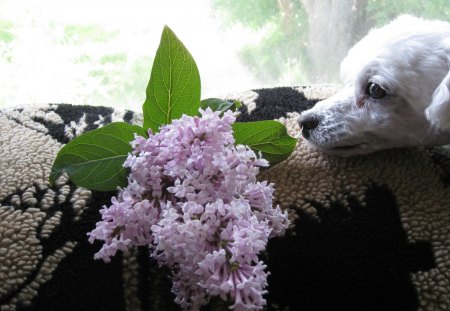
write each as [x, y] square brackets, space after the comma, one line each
[370, 232]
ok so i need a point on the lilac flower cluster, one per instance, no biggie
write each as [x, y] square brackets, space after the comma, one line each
[194, 200]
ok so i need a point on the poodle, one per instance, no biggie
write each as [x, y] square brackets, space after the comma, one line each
[396, 92]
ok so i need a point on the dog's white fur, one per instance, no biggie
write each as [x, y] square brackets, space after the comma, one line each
[410, 59]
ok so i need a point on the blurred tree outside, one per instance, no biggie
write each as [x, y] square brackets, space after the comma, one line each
[6, 37]
[98, 76]
[304, 41]
[109, 76]
[100, 52]
[55, 59]
[282, 47]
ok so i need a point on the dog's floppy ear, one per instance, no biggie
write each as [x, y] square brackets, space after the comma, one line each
[438, 113]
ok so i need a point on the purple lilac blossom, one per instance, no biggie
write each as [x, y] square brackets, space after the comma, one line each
[193, 198]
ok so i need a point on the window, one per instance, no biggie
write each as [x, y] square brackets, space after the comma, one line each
[100, 52]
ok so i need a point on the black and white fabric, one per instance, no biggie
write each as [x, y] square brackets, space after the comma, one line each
[370, 232]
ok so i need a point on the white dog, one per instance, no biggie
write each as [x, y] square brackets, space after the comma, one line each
[396, 92]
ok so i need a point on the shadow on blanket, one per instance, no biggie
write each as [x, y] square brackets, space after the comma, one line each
[371, 233]
[352, 259]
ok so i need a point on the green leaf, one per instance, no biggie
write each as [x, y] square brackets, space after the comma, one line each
[217, 104]
[268, 137]
[174, 86]
[94, 160]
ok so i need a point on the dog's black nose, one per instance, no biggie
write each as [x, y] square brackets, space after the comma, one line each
[308, 123]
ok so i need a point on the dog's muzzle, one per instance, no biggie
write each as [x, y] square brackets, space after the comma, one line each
[308, 123]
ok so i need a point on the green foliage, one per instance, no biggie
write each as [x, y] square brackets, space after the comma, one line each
[79, 34]
[95, 159]
[6, 37]
[251, 13]
[383, 11]
[281, 51]
[276, 56]
[6, 34]
[113, 58]
[174, 86]
[84, 58]
[119, 80]
[217, 104]
[268, 137]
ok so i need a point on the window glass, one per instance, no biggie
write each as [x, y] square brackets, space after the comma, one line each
[97, 52]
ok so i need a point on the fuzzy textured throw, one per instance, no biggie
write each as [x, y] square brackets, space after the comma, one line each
[369, 232]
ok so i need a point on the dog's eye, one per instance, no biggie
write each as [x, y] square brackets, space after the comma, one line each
[375, 91]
